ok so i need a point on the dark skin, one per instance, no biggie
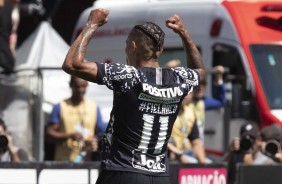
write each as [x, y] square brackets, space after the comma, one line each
[53, 132]
[74, 64]
[138, 54]
[197, 145]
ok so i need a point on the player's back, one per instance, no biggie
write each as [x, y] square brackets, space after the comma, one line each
[144, 109]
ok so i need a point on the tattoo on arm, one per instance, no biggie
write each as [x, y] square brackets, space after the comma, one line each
[74, 62]
[192, 52]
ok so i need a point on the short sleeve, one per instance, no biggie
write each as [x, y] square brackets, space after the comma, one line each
[189, 76]
[117, 77]
[54, 117]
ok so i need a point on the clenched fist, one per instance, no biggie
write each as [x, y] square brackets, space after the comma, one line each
[175, 23]
[98, 17]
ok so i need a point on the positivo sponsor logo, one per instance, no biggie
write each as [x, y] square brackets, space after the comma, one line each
[162, 92]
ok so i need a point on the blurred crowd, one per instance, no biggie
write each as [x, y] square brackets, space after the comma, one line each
[254, 147]
[19, 18]
[13, 14]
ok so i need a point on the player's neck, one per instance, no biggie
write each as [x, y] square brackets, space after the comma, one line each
[150, 64]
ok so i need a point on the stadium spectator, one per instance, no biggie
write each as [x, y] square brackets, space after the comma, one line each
[203, 103]
[15, 24]
[200, 100]
[7, 58]
[8, 151]
[245, 149]
[271, 137]
[75, 124]
[185, 144]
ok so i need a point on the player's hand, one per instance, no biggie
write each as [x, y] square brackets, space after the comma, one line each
[98, 17]
[175, 23]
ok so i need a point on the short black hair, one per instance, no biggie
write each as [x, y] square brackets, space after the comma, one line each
[2, 123]
[154, 32]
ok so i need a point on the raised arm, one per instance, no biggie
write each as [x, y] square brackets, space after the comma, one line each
[193, 56]
[74, 62]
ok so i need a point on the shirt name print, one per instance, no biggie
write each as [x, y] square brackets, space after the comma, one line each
[165, 92]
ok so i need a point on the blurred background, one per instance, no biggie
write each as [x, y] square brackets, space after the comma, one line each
[63, 15]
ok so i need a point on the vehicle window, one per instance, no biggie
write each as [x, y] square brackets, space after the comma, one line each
[267, 59]
[229, 57]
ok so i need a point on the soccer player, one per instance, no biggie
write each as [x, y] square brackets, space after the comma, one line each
[146, 98]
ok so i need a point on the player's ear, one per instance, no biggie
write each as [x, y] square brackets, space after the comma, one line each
[134, 45]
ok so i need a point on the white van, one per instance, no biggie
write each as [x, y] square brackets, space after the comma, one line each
[244, 36]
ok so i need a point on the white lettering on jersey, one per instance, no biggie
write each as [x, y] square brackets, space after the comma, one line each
[152, 164]
[142, 160]
[155, 108]
[121, 76]
[148, 163]
[146, 132]
[162, 134]
[166, 92]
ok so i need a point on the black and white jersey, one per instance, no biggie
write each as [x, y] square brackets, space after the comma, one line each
[146, 104]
